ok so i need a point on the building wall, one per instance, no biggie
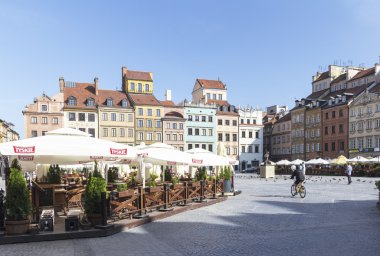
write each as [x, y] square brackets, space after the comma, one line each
[45, 114]
[86, 125]
[227, 130]
[281, 141]
[208, 142]
[172, 132]
[313, 136]
[7, 132]
[144, 133]
[298, 133]
[120, 130]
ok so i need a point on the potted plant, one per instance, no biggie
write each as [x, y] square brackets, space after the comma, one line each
[93, 204]
[227, 174]
[152, 183]
[18, 205]
[54, 174]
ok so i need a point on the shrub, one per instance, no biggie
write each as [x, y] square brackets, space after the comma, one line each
[201, 174]
[94, 188]
[377, 184]
[96, 172]
[122, 187]
[152, 179]
[227, 174]
[112, 174]
[18, 205]
[54, 174]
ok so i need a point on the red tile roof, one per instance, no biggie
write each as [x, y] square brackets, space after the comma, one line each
[81, 92]
[285, 118]
[211, 84]
[116, 96]
[322, 76]
[375, 89]
[317, 95]
[218, 102]
[364, 73]
[167, 103]
[140, 99]
[138, 75]
[340, 78]
[226, 113]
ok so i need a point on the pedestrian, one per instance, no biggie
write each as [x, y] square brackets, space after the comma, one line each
[348, 173]
[303, 168]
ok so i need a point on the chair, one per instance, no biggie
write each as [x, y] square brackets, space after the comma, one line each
[74, 198]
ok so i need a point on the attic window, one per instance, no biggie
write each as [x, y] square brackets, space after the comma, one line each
[72, 101]
[90, 102]
[124, 103]
[109, 102]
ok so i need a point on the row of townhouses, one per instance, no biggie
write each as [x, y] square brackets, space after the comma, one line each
[341, 116]
[134, 115]
[7, 132]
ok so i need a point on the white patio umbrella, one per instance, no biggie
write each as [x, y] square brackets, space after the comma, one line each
[163, 154]
[358, 159]
[66, 146]
[297, 162]
[202, 157]
[283, 162]
[375, 160]
[318, 161]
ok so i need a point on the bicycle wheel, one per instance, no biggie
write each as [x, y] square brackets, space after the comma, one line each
[303, 191]
[293, 190]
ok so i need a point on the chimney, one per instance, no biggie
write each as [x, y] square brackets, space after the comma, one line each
[96, 85]
[61, 84]
[151, 75]
[377, 68]
[168, 95]
[123, 78]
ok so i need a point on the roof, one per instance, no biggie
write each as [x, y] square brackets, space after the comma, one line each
[285, 118]
[167, 103]
[375, 89]
[116, 96]
[81, 91]
[226, 113]
[340, 78]
[174, 114]
[218, 102]
[144, 99]
[364, 73]
[138, 75]
[211, 84]
[322, 76]
[317, 95]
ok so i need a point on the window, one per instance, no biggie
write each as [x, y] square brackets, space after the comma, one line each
[175, 126]
[158, 123]
[341, 128]
[139, 86]
[180, 148]
[113, 132]
[227, 137]
[203, 118]
[72, 101]
[250, 149]
[333, 114]
[91, 131]
[369, 124]
[34, 133]
[175, 137]
[109, 102]
[220, 96]
[369, 142]
[332, 146]
[196, 118]
[341, 113]
[196, 145]
[149, 123]
[140, 111]
[140, 123]
[204, 132]
[234, 122]
[130, 118]
[256, 148]
[132, 85]
[44, 120]
[210, 132]
[234, 137]
[181, 126]
[158, 136]
[146, 87]
[122, 132]
[105, 116]
[248, 121]
[71, 116]
[210, 119]
[167, 125]
[190, 146]
[235, 151]
[158, 112]
[33, 120]
[130, 133]
[149, 112]
[90, 102]
[196, 131]
[189, 131]
[341, 145]
[257, 135]
[54, 120]
[91, 117]
[121, 117]
[141, 136]
[243, 134]
[241, 121]
[326, 130]
[181, 137]
[208, 96]
[227, 122]
[243, 149]
[214, 96]
[167, 137]
[210, 147]
[44, 108]
[190, 118]
[82, 117]
[220, 122]
[105, 132]
[228, 151]
[326, 115]
[333, 129]
[124, 103]
[250, 134]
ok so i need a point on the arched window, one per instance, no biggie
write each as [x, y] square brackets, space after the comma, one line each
[109, 102]
[124, 103]
[90, 102]
[72, 101]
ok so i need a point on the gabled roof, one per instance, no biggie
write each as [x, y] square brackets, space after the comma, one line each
[139, 99]
[285, 118]
[317, 95]
[167, 103]
[375, 89]
[81, 92]
[218, 102]
[340, 78]
[364, 73]
[322, 76]
[138, 75]
[116, 96]
[211, 84]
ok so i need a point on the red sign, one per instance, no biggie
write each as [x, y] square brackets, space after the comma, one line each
[118, 152]
[24, 150]
[96, 157]
[26, 158]
[196, 161]
[172, 163]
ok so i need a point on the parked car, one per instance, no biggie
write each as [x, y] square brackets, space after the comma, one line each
[251, 170]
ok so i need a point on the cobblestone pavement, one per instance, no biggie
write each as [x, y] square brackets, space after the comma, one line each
[333, 219]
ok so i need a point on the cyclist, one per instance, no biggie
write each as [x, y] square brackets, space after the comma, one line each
[300, 177]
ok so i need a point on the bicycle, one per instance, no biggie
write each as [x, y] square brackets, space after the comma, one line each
[301, 190]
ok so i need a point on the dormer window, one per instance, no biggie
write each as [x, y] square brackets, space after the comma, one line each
[147, 87]
[124, 103]
[109, 102]
[90, 102]
[72, 101]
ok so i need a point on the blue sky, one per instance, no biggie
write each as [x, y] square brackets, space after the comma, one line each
[265, 51]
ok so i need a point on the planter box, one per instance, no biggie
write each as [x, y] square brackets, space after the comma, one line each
[16, 227]
[153, 190]
[227, 186]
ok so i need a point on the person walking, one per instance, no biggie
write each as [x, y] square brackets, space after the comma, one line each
[348, 173]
